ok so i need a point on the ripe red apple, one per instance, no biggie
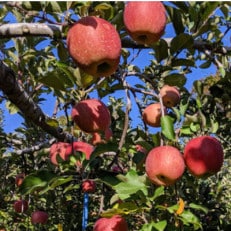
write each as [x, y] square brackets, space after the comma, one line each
[152, 114]
[164, 165]
[203, 156]
[64, 150]
[115, 223]
[145, 21]
[170, 95]
[92, 116]
[21, 206]
[95, 45]
[39, 217]
[88, 186]
[19, 179]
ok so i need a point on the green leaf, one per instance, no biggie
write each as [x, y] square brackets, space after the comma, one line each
[123, 208]
[105, 10]
[36, 181]
[198, 207]
[187, 217]
[131, 184]
[182, 62]
[52, 122]
[161, 50]
[180, 42]
[167, 125]
[158, 192]
[11, 108]
[206, 64]
[60, 180]
[175, 79]
[159, 226]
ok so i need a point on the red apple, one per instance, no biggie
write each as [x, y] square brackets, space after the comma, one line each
[64, 150]
[115, 223]
[164, 165]
[39, 217]
[21, 206]
[92, 116]
[203, 156]
[19, 179]
[145, 22]
[95, 45]
[88, 186]
[170, 95]
[152, 114]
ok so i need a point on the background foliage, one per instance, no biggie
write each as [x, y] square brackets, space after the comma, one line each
[43, 67]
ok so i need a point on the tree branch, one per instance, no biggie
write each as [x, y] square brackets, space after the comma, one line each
[18, 96]
[53, 30]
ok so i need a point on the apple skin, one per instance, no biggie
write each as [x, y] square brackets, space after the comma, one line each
[19, 179]
[203, 156]
[39, 217]
[95, 46]
[170, 96]
[64, 150]
[115, 223]
[164, 165]
[88, 186]
[145, 22]
[92, 116]
[152, 114]
[21, 206]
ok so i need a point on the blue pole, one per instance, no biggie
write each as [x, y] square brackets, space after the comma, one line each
[85, 211]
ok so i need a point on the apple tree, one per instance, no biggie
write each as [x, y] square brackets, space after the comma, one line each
[93, 89]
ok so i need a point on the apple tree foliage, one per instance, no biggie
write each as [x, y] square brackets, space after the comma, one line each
[37, 72]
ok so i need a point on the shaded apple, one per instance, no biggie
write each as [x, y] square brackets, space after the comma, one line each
[152, 114]
[64, 150]
[203, 156]
[95, 45]
[115, 223]
[145, 21]
[170, 96]
[92, 116]
[39, 217]
[164, 165]
[21, 206]
[88, 186]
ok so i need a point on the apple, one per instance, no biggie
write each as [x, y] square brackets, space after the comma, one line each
[164, 165]
[19, 179]
[152, 114]
[170, 96]
[21, 206]
[64, 150]
[88, 186]
[145, 22]
[203, 156]
[39, 217]
[92, 116]
[95, 46]
[114, 223]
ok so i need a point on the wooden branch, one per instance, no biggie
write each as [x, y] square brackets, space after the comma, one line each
[52, 30]
[18, 96]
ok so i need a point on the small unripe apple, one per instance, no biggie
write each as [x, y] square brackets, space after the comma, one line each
[145, 22]
[21, 206]
[92, 116]
[203, 156]
[19, 179]
[88, 186]
[170, 95]
[164, 165]
[95, 45]
[152, 114]
[115, 223]
[39, 217]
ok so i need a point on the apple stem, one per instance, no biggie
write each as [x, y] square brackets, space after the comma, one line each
[85, 211]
